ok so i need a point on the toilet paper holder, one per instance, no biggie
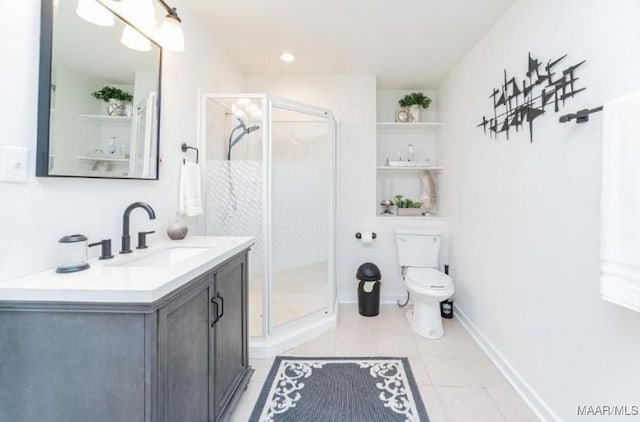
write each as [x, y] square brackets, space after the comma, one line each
[359, 235]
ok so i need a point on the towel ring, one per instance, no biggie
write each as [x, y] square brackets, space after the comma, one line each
[184, 147]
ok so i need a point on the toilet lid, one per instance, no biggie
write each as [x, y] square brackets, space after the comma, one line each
[428, 278]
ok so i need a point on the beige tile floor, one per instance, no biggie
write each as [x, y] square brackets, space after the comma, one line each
[456, 379]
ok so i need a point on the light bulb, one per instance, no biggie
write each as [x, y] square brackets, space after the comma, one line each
[94, 12]
[287, 56]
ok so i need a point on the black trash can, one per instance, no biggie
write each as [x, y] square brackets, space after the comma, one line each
[446, 309]
[369, 277]
[446, 306]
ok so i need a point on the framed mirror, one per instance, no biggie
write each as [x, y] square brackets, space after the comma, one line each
[99, 101]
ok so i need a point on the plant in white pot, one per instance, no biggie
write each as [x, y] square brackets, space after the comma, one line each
[118, 101]
[413, 103]
[407, 207]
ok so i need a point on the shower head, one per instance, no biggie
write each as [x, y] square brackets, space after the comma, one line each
[252, 129]
[245, 131]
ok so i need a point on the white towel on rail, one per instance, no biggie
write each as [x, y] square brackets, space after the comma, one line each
[190, 200]
[620, 208]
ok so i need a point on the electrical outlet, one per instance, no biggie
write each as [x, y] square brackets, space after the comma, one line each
[13, 164]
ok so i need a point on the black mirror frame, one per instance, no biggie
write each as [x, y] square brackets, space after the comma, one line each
[44, 97]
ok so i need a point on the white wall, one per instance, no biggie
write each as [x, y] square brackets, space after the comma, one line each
[70, 136]
[353, 101]
[525, 216]
[36, 214]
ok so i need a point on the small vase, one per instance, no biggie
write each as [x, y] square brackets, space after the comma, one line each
[116, 108]
[177, 230]
[414, 111]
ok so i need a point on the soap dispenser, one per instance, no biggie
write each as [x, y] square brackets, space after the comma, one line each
[72, 254]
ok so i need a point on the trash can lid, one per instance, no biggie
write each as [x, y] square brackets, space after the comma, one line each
[368, 272]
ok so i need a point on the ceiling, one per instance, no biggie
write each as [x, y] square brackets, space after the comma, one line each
[406, 43]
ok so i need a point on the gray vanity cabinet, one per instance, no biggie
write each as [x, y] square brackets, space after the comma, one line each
[184, 355]
[202, 346]
[231, 357]
[181, 359]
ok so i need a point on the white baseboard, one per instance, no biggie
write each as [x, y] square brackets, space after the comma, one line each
[542, 410]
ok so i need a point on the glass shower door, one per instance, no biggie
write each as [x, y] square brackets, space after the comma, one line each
[234, 194]
[301, 170]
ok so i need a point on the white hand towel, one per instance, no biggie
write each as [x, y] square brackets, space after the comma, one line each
[620, 208]
[190, 200]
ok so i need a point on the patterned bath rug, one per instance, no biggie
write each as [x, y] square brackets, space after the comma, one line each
[340, 389]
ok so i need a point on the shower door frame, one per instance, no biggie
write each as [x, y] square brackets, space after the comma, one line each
[268, 331]
[299, 107]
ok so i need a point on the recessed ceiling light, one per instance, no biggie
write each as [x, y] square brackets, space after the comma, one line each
[287, 56]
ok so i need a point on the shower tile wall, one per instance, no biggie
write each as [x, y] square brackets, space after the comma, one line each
[233, 200]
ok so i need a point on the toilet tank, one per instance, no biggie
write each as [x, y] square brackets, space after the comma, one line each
[418, 248]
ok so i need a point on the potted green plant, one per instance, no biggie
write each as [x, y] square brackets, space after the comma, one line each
[407, 207]
[413, 103]
[117, 100]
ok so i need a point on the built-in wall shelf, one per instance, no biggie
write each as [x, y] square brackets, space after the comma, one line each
[419, 127]
[407, 161]
[109, 159]
[409, 217]
[106, 119]
[393, 169]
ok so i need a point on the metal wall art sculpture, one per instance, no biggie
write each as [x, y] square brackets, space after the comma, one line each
[518, 102]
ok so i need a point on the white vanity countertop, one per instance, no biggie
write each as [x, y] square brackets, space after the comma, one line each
[106, 282]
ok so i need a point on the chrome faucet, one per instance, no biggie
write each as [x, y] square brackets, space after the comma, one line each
[126, 237]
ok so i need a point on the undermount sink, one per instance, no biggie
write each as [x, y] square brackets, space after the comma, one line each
[164, 258]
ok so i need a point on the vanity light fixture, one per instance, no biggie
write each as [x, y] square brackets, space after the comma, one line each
[142, 11]
[171, 29]
[143, 17]
[134, 40]
[94, 12]
[287, 56]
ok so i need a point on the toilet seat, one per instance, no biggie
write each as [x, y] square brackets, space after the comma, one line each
[428, 281]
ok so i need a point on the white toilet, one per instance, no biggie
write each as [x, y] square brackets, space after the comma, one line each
[418, 253]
